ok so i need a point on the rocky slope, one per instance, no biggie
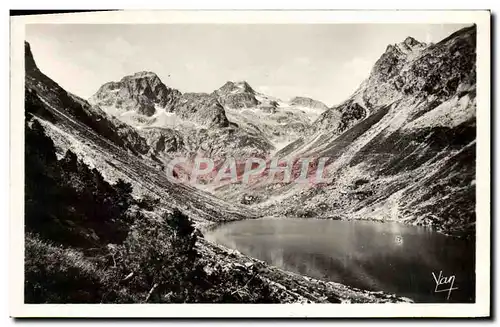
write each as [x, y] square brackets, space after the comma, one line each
[402, 147]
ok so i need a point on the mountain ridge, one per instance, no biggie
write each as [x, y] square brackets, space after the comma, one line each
[74, 142]
[405, 135]
[142, 101]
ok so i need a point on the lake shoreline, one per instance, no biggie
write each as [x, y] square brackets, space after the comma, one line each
[300, 288]
[211, 228]
[296, 288]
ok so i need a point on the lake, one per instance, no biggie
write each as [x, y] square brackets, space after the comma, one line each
[389, 256]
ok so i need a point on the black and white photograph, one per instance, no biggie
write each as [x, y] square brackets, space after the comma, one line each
[257, 160]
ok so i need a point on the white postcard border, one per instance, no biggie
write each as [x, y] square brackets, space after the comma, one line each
[16, 264]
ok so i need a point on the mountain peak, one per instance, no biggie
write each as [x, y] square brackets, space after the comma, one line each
[140, 75]
[28, 57]
[145, 74]
[242, 83]
[236, 87]
[237, 94]
[410, 41]
[142, 92]
[409, 45]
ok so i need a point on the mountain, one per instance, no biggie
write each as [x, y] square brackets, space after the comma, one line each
[396, 146]
[402, 147]
[233, 120]
[173, 123]
[141, 92]
[95, 177]
[236, 95]
[278, 121]
[142, 99]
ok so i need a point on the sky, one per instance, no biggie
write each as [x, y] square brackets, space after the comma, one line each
[324, 62]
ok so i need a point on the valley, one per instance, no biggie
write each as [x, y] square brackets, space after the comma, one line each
[401, 150]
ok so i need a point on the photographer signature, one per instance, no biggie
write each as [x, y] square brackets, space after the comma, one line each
[442, 282]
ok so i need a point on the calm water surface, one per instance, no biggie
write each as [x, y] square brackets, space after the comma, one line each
[388, 257]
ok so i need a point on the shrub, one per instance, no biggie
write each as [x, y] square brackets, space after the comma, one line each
[57, 275]
[148, 203]
[166, 267]
[162, 258]
[66, 201]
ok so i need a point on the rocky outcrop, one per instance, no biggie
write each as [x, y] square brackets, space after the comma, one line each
[412, 69]
[409, 70]
[340, 118]
[235, 87]
[308, 102]
[236, 95]
[163, 140]
[29, 62]
[142, 92]
[201, 108]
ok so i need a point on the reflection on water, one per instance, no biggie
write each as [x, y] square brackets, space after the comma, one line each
[388, 257]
